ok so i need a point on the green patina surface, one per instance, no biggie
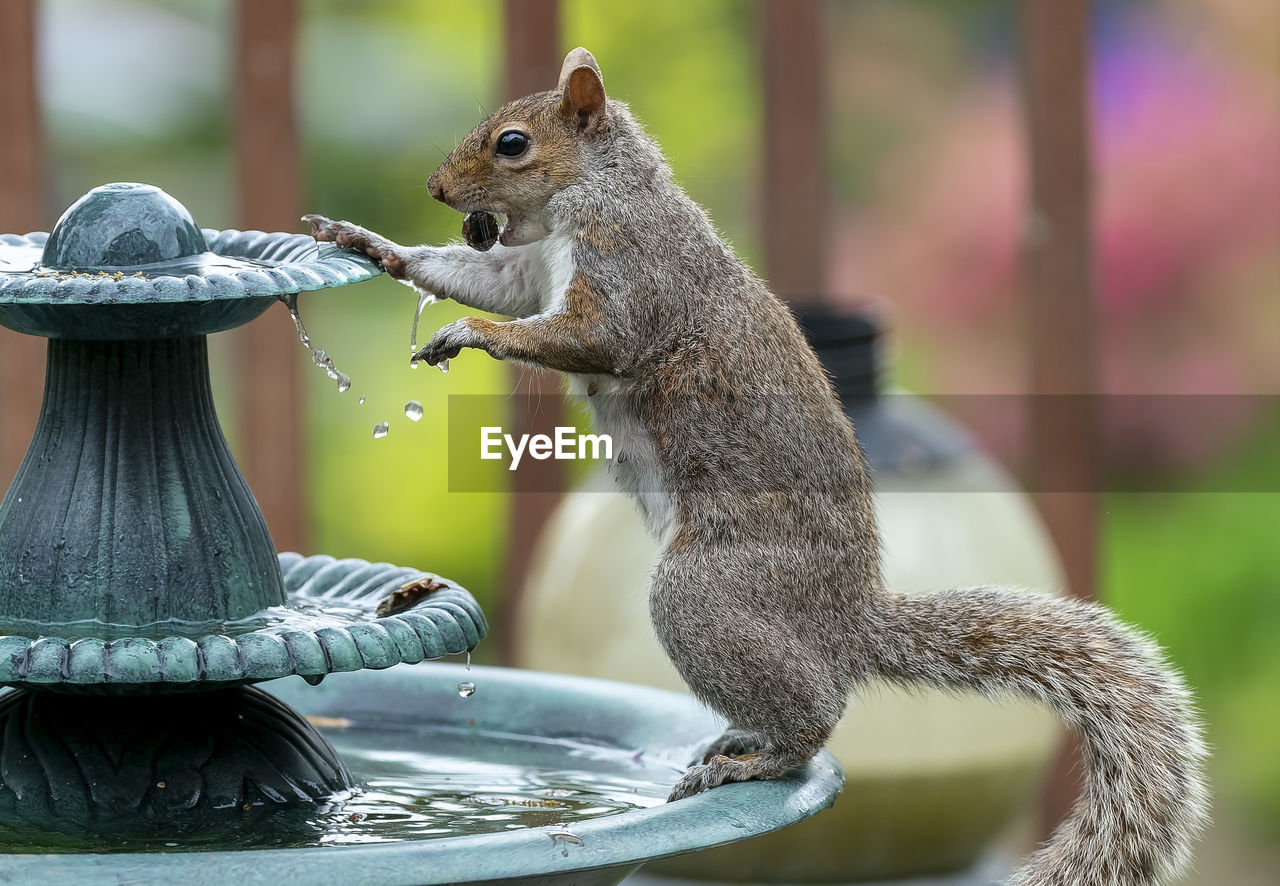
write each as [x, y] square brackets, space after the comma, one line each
[327, 624]
[122, 225]
[129, 509]
[134, 560]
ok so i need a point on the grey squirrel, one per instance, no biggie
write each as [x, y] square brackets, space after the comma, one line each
[768, 596]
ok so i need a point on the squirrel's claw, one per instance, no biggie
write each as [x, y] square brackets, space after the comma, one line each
[344, 233]
[447, 343]
[354, 237]
[322, 229]
[733, 743]
[720, 769]
[715, 772]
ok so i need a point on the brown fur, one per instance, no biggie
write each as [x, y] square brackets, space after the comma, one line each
[768, 596]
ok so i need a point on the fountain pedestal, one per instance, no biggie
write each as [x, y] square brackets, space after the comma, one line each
[128, 508]
[122, 764]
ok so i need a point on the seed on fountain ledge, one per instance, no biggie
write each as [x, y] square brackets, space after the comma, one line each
[480, 230]
[408, 595]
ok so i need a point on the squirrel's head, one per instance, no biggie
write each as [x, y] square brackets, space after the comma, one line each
[521, 155]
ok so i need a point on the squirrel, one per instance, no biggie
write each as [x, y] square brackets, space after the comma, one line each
[768, 595]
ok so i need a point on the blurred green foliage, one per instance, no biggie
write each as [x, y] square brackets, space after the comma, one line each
[1201, 572]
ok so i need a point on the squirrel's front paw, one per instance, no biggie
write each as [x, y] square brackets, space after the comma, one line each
[344, 233]
[448, 342]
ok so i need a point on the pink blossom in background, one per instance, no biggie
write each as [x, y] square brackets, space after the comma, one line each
[1186, 139]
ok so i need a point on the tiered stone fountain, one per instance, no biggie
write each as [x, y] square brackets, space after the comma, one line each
[141, 597]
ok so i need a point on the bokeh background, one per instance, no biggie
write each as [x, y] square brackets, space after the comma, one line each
[927, 168]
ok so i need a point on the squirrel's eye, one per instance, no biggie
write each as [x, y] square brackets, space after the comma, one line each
[512, 144]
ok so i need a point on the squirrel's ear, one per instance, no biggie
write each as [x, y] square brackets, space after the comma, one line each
[582, 88]
[576, 59]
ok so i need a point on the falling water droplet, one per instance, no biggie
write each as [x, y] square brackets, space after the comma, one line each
[318, 356]
[424, 299]
[413, 410]
[466, 689]
[291, 302]
[444, 365]
[362, 399]
[380, 430]
[468, 659]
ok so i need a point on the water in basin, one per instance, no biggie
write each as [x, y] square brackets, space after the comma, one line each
[420, 783]
[297, 615]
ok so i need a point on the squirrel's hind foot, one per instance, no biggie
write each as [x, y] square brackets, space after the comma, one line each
[733, 743]
[724, 770]
[715, 772]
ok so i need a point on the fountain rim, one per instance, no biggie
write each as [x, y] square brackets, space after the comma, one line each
[275, 264]
[724, 815]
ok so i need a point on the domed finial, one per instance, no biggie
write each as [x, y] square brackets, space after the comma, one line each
[122, 225]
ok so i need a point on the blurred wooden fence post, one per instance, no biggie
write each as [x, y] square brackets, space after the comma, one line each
[1064, 403]
[532, 53]
[21, 211]
[271, 450]
[793, 64]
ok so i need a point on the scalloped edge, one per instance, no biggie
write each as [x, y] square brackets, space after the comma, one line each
[303, 266]
[448, 622]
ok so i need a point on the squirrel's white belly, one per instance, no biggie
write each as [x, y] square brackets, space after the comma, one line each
[635, 459]
[635, 466]
[551, 259]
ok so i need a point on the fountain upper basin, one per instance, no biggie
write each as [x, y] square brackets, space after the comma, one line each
[126, 261]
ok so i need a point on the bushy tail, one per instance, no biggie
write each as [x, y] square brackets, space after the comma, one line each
[1144, 798]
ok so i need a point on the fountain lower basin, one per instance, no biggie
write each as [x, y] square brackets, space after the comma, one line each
[424, 752]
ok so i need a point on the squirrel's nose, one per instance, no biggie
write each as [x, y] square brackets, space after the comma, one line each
[435, 189]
